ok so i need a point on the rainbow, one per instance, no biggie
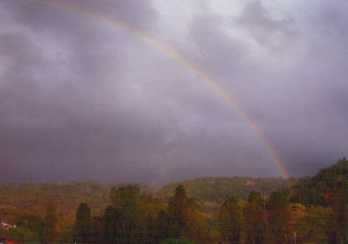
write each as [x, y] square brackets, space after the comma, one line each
[228, 97]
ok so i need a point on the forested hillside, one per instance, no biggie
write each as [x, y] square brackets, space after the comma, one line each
[319, 189]
[69, 195]
[205, 210]
[66, 195]
[214, 189]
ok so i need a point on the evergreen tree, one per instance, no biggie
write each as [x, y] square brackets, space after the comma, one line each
[177, 212]
[162, 225]
[230, 219]
[83, 221]
[110, 225]
[123, 218]
[50, 224]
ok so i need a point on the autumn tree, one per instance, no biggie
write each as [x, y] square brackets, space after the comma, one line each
[255, 222]
[339, 204]
[279, 218]
[132, 217]
[184, 219]
[50, 224]
[122, 217]
[230, 220]
[177, 212]
[314, 226]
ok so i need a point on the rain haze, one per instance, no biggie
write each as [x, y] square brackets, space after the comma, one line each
[153, 91]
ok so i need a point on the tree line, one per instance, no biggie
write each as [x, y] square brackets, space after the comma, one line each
[315, 210]
[136, 218]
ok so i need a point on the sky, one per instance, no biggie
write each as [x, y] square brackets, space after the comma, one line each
[122, 91]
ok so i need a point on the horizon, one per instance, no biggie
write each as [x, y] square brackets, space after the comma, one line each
[161, 184]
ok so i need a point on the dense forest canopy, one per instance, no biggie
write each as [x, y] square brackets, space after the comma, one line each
[205, 210]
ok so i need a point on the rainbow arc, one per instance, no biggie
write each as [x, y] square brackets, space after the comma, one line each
[229, 98]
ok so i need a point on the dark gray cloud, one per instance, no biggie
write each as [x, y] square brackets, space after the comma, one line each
[81, 98]
[290, 91]
[56, 121]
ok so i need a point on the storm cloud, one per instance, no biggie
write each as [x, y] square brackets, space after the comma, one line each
[82, 98]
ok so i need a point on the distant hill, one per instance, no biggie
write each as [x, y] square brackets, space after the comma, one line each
[317, 189]
[67, 196]
[215, 189]
[34, 198]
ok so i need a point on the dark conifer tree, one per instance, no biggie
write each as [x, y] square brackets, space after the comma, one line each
[230, 220]
[83, 224]
[177, 209]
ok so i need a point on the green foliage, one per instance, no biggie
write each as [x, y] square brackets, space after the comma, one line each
[230, 219]
[178, 208]
[254, 211]
[50, 224]
[176, 241]
[21, 233]
[83, 224]
[339, 205]
[278, 200]
[314, 227]
[123, 218]
[124, 197]
[131, 218]
[278, 218]
[219, 189]
[67, 196]
[319, 189]
[255, 219]
[183, 219]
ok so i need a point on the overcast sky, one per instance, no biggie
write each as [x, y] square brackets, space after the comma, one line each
[82, 98]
